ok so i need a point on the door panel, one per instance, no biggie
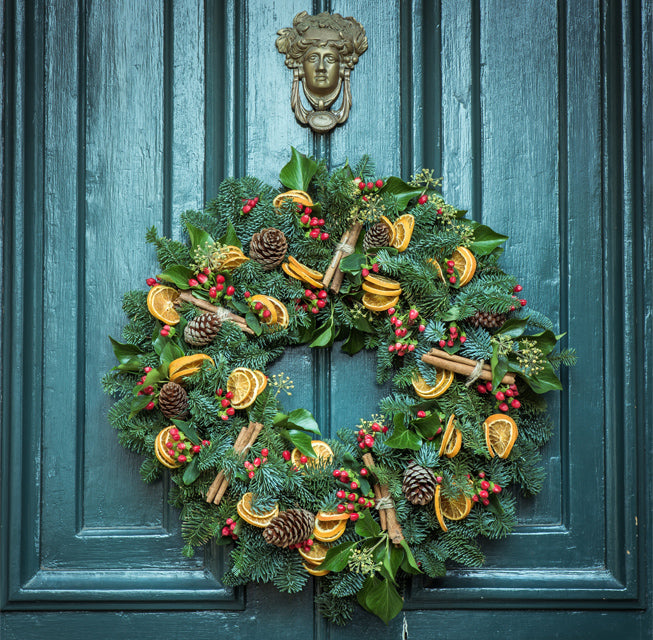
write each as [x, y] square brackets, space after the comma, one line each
[118, 116]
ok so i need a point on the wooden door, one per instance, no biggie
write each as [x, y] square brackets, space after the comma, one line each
[119, 115]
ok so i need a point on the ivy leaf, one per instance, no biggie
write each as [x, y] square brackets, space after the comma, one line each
[402, 191]
[124, 351]
[486, 240]
[392, 561]
[198, 237]
[381, 598]
[192, 471]
[337, 557]
[427, 427]
[401, 438]
[367, 527]
[253, 323]
[178, 275]
[303, 419]
[301, 440]
[451, 315]
[231, 237]
[298, 173]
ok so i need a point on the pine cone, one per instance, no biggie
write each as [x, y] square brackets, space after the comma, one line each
[289, 527]
[488, 319]
[173, 401]
[268, 247]
[377, 236]
[419, 484]
[202, 330]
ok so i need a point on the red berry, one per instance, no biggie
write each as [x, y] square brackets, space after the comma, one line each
[224, 416]
[192, 282]
[351, 497]
[370, 185]
[411, 347]
[361, 185]
[340, 508]
[164, 332]
[452, 279]
[247, 208]
[206, 443]
[147, 369]
[523, 303]
[504, 407]
[517, 288]
[462, 339]
[257, 462]
[324, 236]
[450, 343]
[231, 290]
[264, 453]
[350, 507]
[251, 474]
[305, 219]
[375, 427]
[384, 429]
[196, 448]
[500, 396]
[365, 273]
[483, 493]
[481, 388]
[512, 308]
[182, 458]
[315, 310]
[413, 313]
[475, 498]
[151, 282]
[266, 313]
[353, 485]
[451, 263]
[509, 393]
[201, 278]
[219, 279]
[423, 199]
[496, 488]
[226, 531]
[481, 474]
[213, 292]
[515, 404]
[286, 455]
[421, 414]
[231, 411]
[391, 311]
[354, 516]
[375, 267]
[363, 472]
[485, 484]
[149, 406]
[391, 348]
[340, 494]
[315, 233]
[488, 386]
[303, 459]
[485, 501]
[313, 222]
[224, 402]
[308, 210]
[379, 183]
[438, 479]
[361, 500]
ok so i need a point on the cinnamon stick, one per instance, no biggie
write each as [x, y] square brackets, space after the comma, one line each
[217, 482]
[392, 524]
[223, 314]
[352, 239]
[464, 366]
[337, 256]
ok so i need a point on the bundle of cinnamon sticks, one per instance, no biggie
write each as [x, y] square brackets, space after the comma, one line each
[388, 515]
[223, 314]
[345, 247]
[246, 438]
[464, 366]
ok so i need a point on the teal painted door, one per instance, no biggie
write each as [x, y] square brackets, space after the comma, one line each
[119, 115]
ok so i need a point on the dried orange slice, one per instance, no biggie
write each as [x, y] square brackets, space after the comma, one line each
[404, 226]
[380, 292]
[161, 304]
[300, 197]
[443, 380]
[381, 282]
[465, 263]
[325, 516]
[453, 444]
[375, 302]
[315, 572]
[328, 530]
[262, 380]
[161, 450]
[455, 508]
[289, 270]
[243, 384]
[500, 434]
[391, 228]
[447, 435]
[258, 519]
[282, 312]
[322, 450]
[187, 366]
[316, 553]
[270, 306]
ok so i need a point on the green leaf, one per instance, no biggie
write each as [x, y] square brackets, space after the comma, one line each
[545, 341]
[239, 305]
[125, 352]
[231, 237]
[546, 380]
[451, 315]
[138, 403]
[514, 327]
[402, 191]
[303, 419]
[353, 263]
[404, 439]
[486, 240]
[427, 427]
[381, 598]
[499, 370]
[178, 275]
[192, 471]
[337, 557]
[188, 430]
[171, 352]
[354, 343]
[301, 440]
[367, 527]
[325, 336]
[297, 174]
[392, 560]
[198, 237]
[409, 564]
[253, 323]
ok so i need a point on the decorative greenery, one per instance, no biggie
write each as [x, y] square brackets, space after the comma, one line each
[364, 565]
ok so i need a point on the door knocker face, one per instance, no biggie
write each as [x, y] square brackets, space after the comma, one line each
[322, 50]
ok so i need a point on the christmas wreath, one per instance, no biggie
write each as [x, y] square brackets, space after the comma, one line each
[336, 256]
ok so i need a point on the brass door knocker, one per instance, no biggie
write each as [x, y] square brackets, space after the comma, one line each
[322, 50]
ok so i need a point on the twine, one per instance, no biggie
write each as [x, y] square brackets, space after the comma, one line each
[222, 313]
[475, 374]
[385, 503]
[345, 247]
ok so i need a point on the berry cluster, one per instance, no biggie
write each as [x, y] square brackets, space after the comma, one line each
[506, 395]
[181, 448]
[368, 187]
[304, 546]
[365, 271]
[229, 529]
[216, 287]
[167, 330]
[311, 222]
[249, 204]
[313, 302]
[257, 307]
[148, 390]
[517, 288]
[226, 410]
[253, 466]
[404, 329]
[452, 338]
[353, 500]
[365, 434]
[483, 488]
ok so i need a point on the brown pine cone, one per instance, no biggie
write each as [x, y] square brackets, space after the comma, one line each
[268, 247]
[488, 319]
[202, 330]
[173, 401]
[289, 527]
[419, 484]
[377, 236]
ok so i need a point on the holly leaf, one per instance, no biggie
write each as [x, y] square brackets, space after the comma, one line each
[402, 191]
[188, 430]
[303, 419]
[381, 598]
[178, 275]
[125, 352]
[230, 237]
[367, 527]
[337, 557]
[485, 240]
[298, 173]
[192, 471]
[198, 237]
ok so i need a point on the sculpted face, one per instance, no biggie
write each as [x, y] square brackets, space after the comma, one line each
[321, 70]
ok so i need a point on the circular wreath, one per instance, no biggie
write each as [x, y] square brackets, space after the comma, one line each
[378, 264]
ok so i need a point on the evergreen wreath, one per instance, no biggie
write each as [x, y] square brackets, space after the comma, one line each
[401, 493]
